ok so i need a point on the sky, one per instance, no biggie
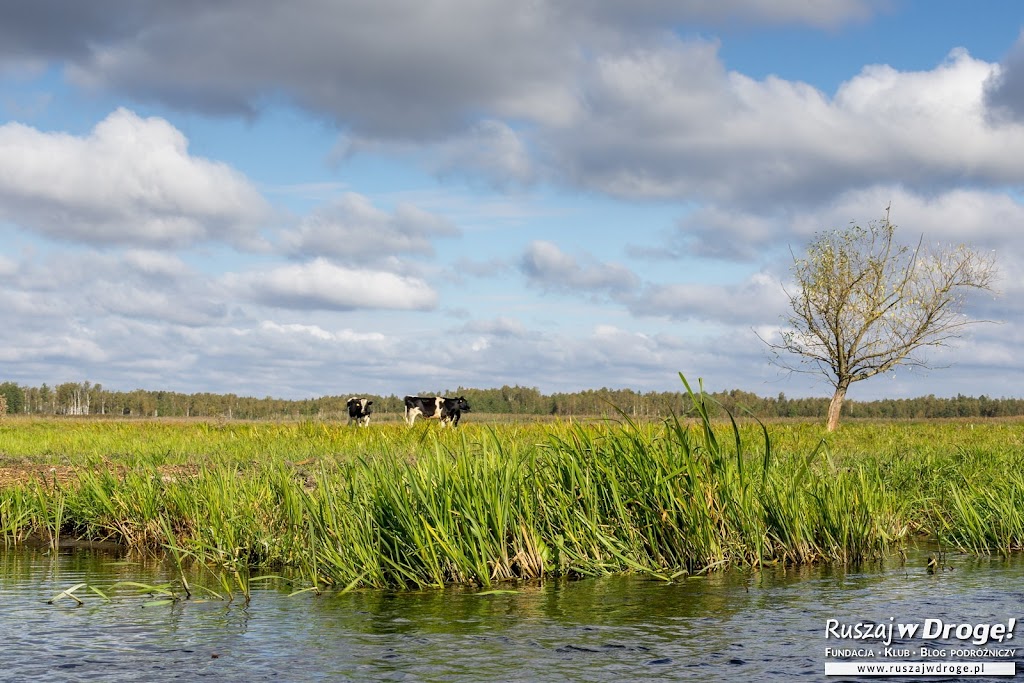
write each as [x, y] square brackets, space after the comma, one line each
[338, 197]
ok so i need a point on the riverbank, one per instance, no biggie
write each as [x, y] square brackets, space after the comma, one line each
[391, 506]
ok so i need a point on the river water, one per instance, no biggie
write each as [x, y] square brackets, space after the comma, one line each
[769, 625]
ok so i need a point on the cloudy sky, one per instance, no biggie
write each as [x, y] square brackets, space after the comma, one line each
[325, 197]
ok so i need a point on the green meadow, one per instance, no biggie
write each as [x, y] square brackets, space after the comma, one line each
[333, 506]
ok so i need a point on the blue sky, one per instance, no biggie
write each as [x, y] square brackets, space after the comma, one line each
[322, 198]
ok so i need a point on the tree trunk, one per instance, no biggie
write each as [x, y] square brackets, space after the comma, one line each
[834, 406]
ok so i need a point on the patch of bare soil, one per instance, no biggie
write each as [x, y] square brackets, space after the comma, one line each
[14, 472]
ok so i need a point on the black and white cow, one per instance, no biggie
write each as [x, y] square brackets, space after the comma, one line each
[447, 410]
[359, 411]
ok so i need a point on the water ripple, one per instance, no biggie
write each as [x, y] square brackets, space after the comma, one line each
[764, 626]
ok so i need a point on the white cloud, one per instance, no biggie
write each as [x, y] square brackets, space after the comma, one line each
[671, 122]
[69, 349]
[351, 229]
[980, 218]
[491, 150]
[398, 69]
[586, 93]
[174, 305]
[623, 339]
[548, 267]
[131, 181]
[321, 285]
[317, 332]
[155, 264]
[549, 98]
[718, 232]
[7, 266]
[314, 331]
[499, 327]
[88, 285]
[757, 299]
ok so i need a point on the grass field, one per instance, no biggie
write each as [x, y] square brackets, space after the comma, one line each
[393, 506]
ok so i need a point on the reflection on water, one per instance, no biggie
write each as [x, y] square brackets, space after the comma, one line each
[759, 626]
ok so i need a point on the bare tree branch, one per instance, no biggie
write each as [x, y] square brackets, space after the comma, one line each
[866, 304]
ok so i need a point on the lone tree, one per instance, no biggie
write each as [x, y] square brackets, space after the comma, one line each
[865, 304]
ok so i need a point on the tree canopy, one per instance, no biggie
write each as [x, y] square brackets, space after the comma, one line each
[863, 304]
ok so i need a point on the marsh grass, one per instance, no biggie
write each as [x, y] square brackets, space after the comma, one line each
[985, 517]
[338, 508]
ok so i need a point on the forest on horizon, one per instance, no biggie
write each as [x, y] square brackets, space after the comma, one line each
[85, 398]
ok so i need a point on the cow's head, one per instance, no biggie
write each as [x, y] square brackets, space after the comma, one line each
[462, 404]
[359, 411]
[359, 405]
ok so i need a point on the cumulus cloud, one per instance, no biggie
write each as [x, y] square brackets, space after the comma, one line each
[135, 284]
[7, 266]
[498, 327]
[605, 97]
[105, 316]
[758, 298]
[719, 232]
[526, 356]
[582, 92]
[548, 267]
[344, 336]
[47, 29]
[1004, 89]
[670, 122]
[491, 150]
[980, 218]
[69, 349]
[398, 68]
[829, 13]
[321, 285]
[130, 181]
[155, 265]
[353, 230]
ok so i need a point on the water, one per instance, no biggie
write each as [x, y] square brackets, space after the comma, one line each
[750, 626]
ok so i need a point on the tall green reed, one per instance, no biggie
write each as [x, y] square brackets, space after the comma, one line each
[421, 507]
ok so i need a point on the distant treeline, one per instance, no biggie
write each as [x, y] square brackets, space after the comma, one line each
[92, 399]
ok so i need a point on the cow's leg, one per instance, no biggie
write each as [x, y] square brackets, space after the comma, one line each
[410, 415]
